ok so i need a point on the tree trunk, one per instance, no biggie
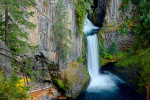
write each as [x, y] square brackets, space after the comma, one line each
[6, 26]
[148, 88]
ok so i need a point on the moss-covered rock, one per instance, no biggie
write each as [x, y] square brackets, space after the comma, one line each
[72, 80]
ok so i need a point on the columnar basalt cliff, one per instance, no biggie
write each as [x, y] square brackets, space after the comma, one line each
[114, 17]
[43, 35]
[108, 15]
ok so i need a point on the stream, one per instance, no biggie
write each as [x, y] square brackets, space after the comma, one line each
[103, 84]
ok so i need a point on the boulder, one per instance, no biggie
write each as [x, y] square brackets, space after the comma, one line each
[73, 80]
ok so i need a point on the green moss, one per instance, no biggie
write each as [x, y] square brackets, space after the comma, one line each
[87, 74]
[122, 27]
[81, 59]
[108, 55]
[59, 83]
[109, 28]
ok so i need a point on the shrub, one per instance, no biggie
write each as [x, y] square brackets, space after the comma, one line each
[12, 88]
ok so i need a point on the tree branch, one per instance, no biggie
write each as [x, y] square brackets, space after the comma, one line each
[12, 58]
[39, 10]
[14, 53]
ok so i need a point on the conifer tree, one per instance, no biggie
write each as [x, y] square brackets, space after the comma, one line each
[61, 31]
[13, 23]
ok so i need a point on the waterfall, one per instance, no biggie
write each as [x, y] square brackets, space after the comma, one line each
[99, 81]
[92, 56]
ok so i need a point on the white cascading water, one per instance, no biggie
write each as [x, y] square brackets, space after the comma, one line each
[98, 81]
[88, 26]
[92, 56]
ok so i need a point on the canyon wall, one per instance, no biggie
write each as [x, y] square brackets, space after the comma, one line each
[43, 35]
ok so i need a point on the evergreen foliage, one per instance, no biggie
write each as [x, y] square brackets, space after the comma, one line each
[124, 28]
[12, 89]
[17, 22]
[137, 58]
[138, 61]
[61, 31]
[81, 9]
[107, 55]
[102, 48]
[113, 48]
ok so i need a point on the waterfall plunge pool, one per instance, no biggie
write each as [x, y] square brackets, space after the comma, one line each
[119, 90]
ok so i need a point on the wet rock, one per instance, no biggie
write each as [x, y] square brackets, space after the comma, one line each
[97, 16]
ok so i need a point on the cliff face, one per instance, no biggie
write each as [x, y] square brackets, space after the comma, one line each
[110, 22]
[43, 35]
[97, 17]
[114, 16]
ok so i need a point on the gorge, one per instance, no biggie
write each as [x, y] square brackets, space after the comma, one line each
[74, 49]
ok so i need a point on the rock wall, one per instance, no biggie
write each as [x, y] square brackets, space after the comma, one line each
[114, 16]
[97, 17]
[43, 35]
[112, 12]
[4, 61]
